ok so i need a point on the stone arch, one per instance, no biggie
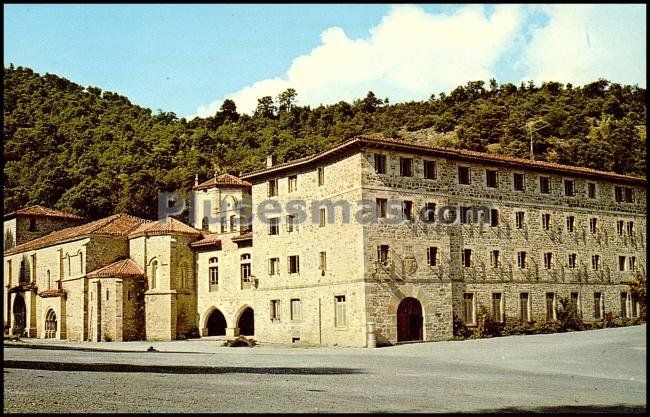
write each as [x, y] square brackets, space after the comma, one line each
[20, 315]
[246, 320]
[154, 272]
[205, 224]
[406, 291]
[228, 203]
[409, 320]
[214, 322]
[50, 324]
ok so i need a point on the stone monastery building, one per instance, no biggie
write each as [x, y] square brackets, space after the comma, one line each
[526, 234]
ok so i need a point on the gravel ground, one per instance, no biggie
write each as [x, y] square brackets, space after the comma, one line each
[599, 370]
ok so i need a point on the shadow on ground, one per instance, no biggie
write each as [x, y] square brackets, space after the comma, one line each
[161, 369]
[572, 409]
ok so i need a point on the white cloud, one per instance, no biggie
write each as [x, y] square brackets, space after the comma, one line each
[582, 43]
[408, 56]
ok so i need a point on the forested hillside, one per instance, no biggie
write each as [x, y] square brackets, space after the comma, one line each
[94, 153]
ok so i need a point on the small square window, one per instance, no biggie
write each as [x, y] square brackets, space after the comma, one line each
[569, 188]
[430, 170]
[519, 182]
[406, 167]
[591, 190]
[491, 178]
[380, 163]
[545, 185]
[463, 175]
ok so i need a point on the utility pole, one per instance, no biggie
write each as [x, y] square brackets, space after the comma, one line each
[529, 125]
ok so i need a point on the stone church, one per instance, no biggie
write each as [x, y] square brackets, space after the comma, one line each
[372, 238]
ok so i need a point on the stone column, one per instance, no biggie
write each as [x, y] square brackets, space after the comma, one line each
[232, 331]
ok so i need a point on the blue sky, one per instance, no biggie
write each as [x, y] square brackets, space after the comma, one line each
[188, 58]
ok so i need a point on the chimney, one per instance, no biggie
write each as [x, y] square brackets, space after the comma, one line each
[196, 180]
[270, 160]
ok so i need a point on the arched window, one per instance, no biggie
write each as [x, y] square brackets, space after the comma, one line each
[245, 256]
[233, 221]
[154, 274]
[214, 260]
[204, 224]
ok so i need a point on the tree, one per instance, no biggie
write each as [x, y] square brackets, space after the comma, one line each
[371, 103]
[227, 111]
[286, 100]
[265, 108]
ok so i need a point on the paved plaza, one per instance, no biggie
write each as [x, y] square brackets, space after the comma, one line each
[599, 370]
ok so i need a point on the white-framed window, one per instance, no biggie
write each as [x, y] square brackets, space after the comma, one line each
[497, 307]
[340, 313]
[381, 208]
[274, 226]
[521, 259]
[295, 309]
[274, 266]
[570, 224]
[519, 219]
[275, 310]
[593, 225]
[572, 260]
[292, 183]
[469, 311]
[273, 187]
[595, 262]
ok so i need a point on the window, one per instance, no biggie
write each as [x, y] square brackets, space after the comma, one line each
[591, 190]
[322, 264]
[598, 305]
[550, 306]
[321, 176]
[631, 263]
[621, 263]
[107, 293]
[381, 208]
[245, 272]
[463, 175]
[380, 163]
[430, 170]
[494, 258]
[383, 253]
[548, 260]
[467, 258]
[233, 223]
[619, 227]
[274, 226]
[290, 222]
[595, 262]
[432, 256]
[154, 273]
[49, 280]
[407, 210]
[572, 260]
[273, 187]
[630, 228]
[519, 219]
[32, 225]
[468, 308]
[593, 225]
[491, 178]
[429, 212]
[9, 272]
[521, 259]
[214, 277]
[545, 185]
[546, 221]
[406, 167]
[274, 266]
[466, 214]
[624, 304]
[323, 216]
[518, 182]
[294, 264]
[223, 225]
[570, 222]
[275, 310]
[340, 319]
[569, 188]
[295, 309]
[293, 182]
[494, 217]
[623, 194]
[497, 307]
[204, 224]
[524, 306]
[575, 302]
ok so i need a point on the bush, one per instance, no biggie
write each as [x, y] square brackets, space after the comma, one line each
[460, 329]
[515, 326]
[567, 316]
[485, 325]
[193, 333]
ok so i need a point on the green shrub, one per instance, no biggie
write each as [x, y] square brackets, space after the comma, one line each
[485, 325]
[460, 329]
[567, 315]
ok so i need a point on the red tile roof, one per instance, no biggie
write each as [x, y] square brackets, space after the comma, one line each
[52, 293]
[115, 225]
[223, 180]
[209, 239]
[125, 268]
[375, 141]
[168, 226]
[245, 236]
[40, 211]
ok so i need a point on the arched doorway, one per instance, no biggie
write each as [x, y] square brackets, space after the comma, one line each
[50, 324]
[246, 322]
[20, 315]
[409, 320]
[216, 324]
